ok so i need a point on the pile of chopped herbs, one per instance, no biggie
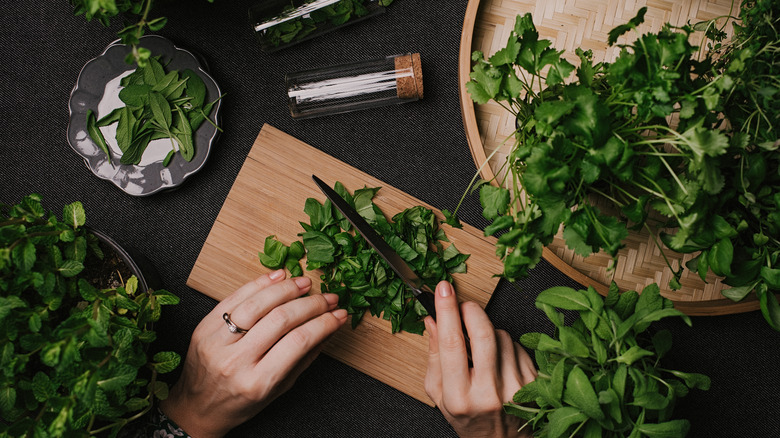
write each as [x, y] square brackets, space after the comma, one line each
[74, 355]
[681, 141]
[326, 17]
[158, 104]
[355, 272]
[602, 376]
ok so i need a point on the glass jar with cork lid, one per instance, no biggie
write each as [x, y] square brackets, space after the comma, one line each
[349, 87]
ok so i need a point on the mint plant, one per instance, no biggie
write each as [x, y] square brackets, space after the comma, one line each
[74, 355]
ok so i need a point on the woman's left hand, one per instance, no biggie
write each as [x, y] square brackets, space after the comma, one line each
[229, 377]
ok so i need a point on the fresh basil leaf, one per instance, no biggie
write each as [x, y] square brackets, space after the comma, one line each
[580, 393]
[669, 429]
[633, 354]
[562, 419]
[564, 298]
[275, 253]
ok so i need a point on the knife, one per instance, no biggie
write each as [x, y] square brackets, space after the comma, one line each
[422, 292]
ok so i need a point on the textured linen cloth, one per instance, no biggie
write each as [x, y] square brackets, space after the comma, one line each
[418, 147]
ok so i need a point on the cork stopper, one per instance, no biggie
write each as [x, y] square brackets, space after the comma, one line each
[409, 79]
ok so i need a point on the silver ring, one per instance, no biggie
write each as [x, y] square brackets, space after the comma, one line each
[232, 326]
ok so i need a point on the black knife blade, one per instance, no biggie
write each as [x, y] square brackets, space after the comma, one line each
[397, 264]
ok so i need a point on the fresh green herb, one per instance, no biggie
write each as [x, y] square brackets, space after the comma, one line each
[73, 354]
[602, 376]
[105, 10]
[157, 105]
[331, 15]
[96, 135]
[355, 272]
[670, 135]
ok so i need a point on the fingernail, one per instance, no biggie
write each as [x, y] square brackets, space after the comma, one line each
[302, 282]
[276, 275]
[444, 288]
[340, 314]
[332, 299]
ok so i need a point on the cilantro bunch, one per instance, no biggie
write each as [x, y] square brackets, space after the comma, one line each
[602, 376]
[158, 104]
[73, 355]
[325, 17]
[355, 272]
[671, 138]
[105, 11]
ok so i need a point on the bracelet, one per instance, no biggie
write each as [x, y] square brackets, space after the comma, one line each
[167, 428]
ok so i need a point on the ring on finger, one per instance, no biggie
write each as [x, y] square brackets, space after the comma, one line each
[232, 327]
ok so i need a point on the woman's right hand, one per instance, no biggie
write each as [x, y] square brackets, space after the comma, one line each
[472, 398]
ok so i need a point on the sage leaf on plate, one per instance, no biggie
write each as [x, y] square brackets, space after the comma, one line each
[94, 133]
[158, 105]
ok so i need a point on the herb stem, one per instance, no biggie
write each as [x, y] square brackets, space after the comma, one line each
[671, 172]
[15, 221]
[661, 250]
[604, 195]
[573, 434]
[35, 234]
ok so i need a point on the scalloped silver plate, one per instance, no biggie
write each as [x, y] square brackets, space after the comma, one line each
[97, 88]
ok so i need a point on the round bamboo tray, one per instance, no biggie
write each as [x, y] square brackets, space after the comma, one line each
[570, 24]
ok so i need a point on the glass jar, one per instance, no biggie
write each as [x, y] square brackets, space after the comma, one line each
[349, 87]
[282, 23]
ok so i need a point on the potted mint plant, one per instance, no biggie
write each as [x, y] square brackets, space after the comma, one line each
[76, 316]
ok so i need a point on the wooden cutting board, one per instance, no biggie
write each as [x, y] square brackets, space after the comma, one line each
[267, 198]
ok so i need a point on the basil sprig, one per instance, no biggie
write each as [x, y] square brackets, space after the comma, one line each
[355, 272]
[601, 376]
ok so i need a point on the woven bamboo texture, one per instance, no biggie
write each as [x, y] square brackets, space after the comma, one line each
[585, 23]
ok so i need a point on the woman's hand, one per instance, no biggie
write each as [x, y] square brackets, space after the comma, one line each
[472, 399]
[229, 377]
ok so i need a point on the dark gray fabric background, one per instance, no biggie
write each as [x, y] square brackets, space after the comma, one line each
[419, 148]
